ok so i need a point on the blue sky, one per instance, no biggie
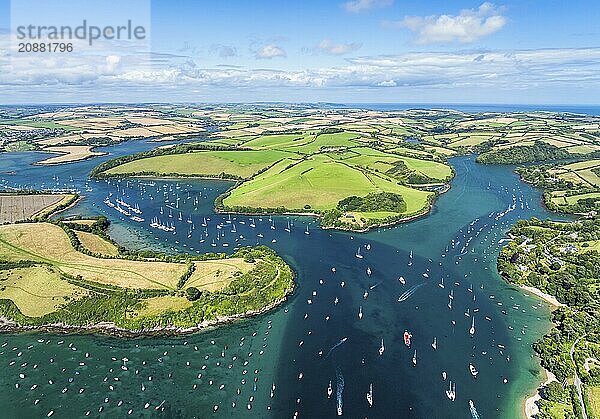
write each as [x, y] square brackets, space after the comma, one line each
[514, 51]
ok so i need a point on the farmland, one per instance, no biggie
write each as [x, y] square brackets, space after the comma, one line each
[571, 187]
[19, 207]
[74, 132]
[309, 171]
[50, 280]
[21, 242]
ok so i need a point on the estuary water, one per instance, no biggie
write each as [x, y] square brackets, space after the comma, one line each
[340, 334]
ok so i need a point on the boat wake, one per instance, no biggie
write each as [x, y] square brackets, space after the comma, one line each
[408, 293]
[335, 346]
[339, 390]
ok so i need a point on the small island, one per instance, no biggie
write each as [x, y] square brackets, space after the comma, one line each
[76, 279]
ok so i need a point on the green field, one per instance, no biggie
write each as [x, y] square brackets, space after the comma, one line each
[37, 290]
[318, 182]
[593, 394]
[241, 164]
[305, 171]
[20, 242]
[49, 281]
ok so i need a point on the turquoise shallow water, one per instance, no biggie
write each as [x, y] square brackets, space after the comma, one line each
[293, 348]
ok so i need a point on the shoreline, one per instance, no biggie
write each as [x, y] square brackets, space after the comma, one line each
[550, 299]
[8, 326]
[446, 187]
[530, 407]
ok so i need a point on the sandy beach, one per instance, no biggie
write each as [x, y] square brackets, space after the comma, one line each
[531, 407]
[546, 297]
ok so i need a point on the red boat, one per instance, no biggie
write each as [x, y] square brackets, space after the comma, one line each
[407, 337]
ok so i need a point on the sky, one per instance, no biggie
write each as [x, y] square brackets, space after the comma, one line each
[346, 51]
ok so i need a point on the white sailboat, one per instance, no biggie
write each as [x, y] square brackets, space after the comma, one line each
[358, 255]
[329, 390]
[382, 348]
[473, 370]
[370, 395]
[434, 344]
[414, 358]
[360, 313]
[472, 329]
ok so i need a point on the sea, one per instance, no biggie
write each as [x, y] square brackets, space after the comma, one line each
[340, 333]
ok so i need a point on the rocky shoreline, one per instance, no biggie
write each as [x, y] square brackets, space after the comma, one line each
[110, 329]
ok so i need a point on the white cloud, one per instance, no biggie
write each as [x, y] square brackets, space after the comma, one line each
[269, 51]
[357, 6]
[161, 76]
[468, 26]
[328, 47]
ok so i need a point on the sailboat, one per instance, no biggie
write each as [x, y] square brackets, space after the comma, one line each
[414, 358]
[382, 348]
[434, 343]
[360, 314]
[329, 390]
[451, 392]
[358, 255]
[472, 329]
[473, 370]
[441, 284]
[370, 395]
[307, 232]
[288, 228]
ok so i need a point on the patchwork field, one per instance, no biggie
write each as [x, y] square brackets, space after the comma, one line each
[24, 242]
[307, 171]
[45, 280]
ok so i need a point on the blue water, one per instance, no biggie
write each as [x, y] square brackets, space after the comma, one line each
[288, 347]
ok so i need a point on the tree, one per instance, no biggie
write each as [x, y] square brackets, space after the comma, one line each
[193, 293]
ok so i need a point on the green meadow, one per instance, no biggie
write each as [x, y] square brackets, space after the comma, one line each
[304, 171]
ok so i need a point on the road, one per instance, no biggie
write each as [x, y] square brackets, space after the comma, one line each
[576, 379]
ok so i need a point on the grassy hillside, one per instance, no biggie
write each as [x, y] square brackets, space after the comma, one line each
[305, 171]
[57, 280]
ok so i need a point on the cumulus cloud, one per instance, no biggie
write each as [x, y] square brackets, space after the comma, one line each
[357, 6]
[269, 51]
[468, 26]
[98, 77]
[328, 47]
